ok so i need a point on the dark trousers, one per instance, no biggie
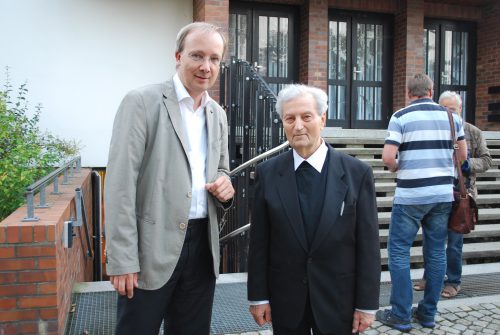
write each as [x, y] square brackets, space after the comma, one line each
[307, 325]
[184, 302]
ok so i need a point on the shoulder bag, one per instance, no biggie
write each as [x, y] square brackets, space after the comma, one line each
[464, 212]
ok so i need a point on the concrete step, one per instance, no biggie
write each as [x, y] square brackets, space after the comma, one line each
[481, 231]
[385, 175]
[470, 250]
[485, 214]
[386, 186]
[482, 199]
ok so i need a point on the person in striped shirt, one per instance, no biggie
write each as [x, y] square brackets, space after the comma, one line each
[419, 148]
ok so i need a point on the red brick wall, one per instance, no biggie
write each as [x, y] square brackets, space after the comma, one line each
[452, 11]
[408, 57]
[314, 43]
[36, 272]
[215, 12]
[488, 65]
[381, 6]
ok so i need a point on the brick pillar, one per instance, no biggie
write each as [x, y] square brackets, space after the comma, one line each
[408, 47]
[36, 272]
[488, 65]
[314, 43]
[215, 12]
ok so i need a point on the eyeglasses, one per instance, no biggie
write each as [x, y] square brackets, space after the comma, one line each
[198, 58]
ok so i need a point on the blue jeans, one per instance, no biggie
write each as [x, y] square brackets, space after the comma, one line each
[405, 222]
[454, 258]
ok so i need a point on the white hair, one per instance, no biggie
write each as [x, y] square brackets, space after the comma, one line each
[450, 95]
[294, 91]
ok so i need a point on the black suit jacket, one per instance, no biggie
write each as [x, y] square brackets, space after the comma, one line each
[341, 268]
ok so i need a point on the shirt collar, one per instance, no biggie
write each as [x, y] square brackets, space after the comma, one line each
[317, 159]
[182, 93]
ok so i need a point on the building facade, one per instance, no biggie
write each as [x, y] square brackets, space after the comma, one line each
[363, 52]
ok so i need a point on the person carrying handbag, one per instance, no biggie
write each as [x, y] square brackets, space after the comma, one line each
[478, 161]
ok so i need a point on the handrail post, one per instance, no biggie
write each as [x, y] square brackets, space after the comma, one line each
[29, 205]
[78, 202]
[56, 186]
[78, 164]
[65, 179]
[43, 203]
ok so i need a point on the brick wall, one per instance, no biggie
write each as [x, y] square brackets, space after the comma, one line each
[488, 65]
[36, 272]
[314, 43]
[215, 12]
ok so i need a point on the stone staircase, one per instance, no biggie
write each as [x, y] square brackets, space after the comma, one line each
[480, 246]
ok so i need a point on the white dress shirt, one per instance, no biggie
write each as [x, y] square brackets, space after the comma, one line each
[196, 130]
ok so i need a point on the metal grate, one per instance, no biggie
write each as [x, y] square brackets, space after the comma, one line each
[95, 312]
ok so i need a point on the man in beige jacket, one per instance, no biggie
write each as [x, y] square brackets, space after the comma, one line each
[167, 171]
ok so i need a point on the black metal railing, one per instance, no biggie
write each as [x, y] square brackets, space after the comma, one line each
[254, 128]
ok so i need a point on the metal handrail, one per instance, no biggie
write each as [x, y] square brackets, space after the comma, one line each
[258, 158]
[40, 185]
[235, 233]
[243, 166]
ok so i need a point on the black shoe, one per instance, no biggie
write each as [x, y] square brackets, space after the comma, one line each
[392, 321]
[425, 324]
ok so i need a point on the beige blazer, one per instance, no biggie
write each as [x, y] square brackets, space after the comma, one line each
[147, 189]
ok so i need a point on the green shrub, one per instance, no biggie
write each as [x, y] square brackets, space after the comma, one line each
[26, 154]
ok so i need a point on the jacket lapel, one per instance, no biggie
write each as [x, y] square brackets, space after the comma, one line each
[335, 192]
[174, 112]
[287, 190]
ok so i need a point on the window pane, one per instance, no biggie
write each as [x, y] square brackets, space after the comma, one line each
[430, 52]
[378, 51]
[378, 103]
[360, 52]
[336, 105]
[283, 48]
[238, 36]
[272, 47]
[446, 73]
[242, 37]
[263, 45]
[342, 54]
[332, 50]
[370, 52]
[465, 48]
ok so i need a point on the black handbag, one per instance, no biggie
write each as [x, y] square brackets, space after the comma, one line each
[464, 212]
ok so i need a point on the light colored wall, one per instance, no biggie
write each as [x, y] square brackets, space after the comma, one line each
[80, 57]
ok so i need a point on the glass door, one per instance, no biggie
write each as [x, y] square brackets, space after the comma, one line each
[359, 71]
[264, 35]
[449, 55]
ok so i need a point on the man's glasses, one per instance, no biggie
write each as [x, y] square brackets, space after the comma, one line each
[198, 58]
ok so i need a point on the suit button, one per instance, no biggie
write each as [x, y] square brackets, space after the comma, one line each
[309, 260]
[304, 280]
[182, 225]
[189, 194]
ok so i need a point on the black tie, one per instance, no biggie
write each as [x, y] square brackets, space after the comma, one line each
[307, 177]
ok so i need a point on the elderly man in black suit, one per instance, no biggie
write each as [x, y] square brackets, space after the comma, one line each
[314, 259]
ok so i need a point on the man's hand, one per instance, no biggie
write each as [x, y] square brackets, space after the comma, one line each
[222, 189]
[261, 313]
[124, 284]
[362, 321]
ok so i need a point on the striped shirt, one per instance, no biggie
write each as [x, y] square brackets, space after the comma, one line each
[421, 131]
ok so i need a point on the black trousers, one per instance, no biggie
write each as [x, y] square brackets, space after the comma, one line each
[307, 325]
[184, 302]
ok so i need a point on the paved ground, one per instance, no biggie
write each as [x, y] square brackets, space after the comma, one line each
[477, 318]
[476, 310]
